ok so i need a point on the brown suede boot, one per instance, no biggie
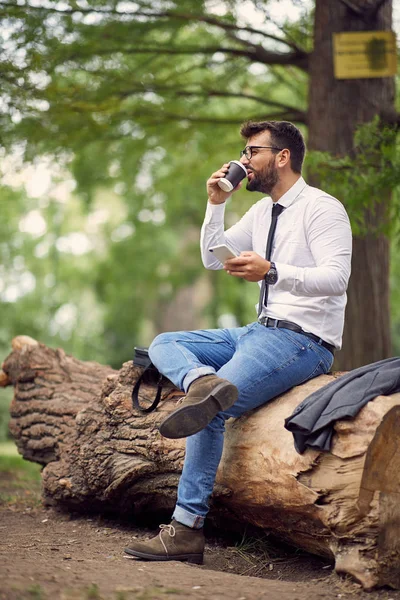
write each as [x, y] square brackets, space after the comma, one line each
[206, 397]
[174, 542]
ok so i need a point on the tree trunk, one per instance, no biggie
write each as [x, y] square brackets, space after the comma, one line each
[76, 419]
[336, 108]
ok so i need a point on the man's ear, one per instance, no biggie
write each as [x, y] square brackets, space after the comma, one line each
[284, 158]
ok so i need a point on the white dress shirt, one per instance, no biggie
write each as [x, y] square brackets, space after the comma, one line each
[311, 251]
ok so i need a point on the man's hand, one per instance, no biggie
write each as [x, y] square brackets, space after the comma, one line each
[249, 265]
[215, 194]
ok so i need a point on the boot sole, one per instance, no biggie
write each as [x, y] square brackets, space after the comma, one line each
[196, 559]
[189, 420]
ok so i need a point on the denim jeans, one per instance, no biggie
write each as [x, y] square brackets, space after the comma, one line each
[261, 362]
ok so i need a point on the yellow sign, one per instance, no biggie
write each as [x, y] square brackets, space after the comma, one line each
[366, 54]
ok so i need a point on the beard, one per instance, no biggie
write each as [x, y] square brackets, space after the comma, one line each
[265, 180]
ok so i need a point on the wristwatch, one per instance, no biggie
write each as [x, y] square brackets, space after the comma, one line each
[272, 276]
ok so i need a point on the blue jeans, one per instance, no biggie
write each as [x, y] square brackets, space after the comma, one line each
[262, 362]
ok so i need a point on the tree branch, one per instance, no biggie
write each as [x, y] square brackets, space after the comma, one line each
[230, 33]
[165, 50]
[298, 55]
[159, 117]
[257, 54]
[220, 94]
[281, 116]
[162, 14]
[208, 93]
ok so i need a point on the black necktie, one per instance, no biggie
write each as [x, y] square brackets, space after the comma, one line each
[276, 211]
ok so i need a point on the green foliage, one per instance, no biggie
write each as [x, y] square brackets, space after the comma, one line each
[22, 470]
[365, 182]
[45, 278]
[20, 481]
[130, 104]
[5, 401]
[101, 79]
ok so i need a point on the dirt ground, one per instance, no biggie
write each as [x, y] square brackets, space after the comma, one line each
[46, 555]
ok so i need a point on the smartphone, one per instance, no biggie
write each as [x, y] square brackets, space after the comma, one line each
[222, 253]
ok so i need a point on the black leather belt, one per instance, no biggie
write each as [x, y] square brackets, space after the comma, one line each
[268, 322]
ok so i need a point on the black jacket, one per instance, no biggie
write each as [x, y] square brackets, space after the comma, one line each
[312, 421]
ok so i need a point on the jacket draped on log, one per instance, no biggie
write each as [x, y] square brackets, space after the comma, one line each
[312, 422]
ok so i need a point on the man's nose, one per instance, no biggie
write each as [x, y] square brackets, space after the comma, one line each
[244, 160]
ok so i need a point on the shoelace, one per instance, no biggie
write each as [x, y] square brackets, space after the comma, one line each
[170, 529]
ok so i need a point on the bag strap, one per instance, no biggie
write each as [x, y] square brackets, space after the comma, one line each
[135, 394]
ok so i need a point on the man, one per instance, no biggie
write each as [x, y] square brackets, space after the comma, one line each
[227, 372]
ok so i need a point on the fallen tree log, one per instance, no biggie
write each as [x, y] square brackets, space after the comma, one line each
[76, 419]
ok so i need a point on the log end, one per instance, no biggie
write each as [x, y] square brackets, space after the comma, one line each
[22, 340]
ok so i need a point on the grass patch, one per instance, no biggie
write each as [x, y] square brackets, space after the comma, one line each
[19, 468]
[259, 553]
[8, 449]
[254, 548]
[35, 592]
[93, 592]
[20, 480]
[153, 592]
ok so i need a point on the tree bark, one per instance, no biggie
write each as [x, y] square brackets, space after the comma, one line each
[336, 108]
[76, 419]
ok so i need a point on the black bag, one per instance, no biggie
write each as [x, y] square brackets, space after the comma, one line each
[150, 375]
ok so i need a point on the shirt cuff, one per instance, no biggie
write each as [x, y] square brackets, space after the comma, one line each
[214, 213]
[286, 277]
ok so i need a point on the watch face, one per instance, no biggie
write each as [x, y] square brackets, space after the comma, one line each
[272, 275]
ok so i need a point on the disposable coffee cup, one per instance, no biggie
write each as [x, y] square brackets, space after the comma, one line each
[236, 172]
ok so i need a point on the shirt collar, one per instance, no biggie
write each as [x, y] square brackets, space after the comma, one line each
[290, 196]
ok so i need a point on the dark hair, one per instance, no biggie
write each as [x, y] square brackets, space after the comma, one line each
[283, 135]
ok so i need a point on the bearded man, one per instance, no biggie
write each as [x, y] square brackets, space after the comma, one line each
[296, 244]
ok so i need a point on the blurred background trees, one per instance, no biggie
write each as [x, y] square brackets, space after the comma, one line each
[112, 116]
